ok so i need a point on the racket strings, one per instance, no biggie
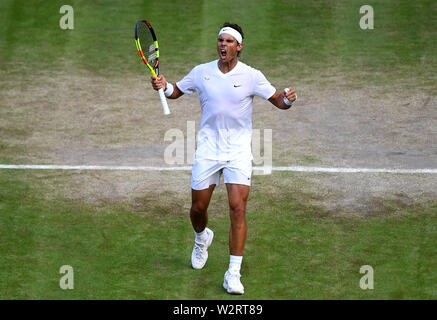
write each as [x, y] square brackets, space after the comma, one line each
[147, 44]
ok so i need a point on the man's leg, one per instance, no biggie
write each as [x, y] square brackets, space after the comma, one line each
[199, 207]
[237, 194]
[199, 219]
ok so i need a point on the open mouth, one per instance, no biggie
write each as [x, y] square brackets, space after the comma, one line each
[222, 53]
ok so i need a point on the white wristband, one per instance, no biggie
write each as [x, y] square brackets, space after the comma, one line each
[169, 91]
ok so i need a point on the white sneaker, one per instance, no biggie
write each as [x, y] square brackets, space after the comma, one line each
[232, 283]
[200, 251]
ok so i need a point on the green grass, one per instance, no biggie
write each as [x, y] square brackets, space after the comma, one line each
[303, 37]
[293, 251]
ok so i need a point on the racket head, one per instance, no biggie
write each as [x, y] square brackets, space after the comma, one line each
[147, 45]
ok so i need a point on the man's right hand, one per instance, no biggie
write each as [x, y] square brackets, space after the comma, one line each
[159, 82]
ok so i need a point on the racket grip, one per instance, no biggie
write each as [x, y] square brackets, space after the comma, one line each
[163, 102]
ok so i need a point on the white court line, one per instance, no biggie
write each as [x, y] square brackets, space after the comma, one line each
[188, 168]
[69, 167]
[354, 170]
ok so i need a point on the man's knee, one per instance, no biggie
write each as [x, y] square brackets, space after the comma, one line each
[199, 208]
[238, 213]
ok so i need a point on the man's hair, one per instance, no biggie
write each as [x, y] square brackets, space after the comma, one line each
[236, 27]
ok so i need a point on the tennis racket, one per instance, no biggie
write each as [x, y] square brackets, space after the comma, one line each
[148, 50]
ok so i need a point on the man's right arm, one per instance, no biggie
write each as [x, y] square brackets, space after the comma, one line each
[176, 92]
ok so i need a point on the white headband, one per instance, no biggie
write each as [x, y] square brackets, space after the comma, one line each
[232, 32]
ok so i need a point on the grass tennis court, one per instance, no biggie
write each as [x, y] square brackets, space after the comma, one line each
[82, 97]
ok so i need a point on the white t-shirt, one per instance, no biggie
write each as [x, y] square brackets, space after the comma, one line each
[226, 100]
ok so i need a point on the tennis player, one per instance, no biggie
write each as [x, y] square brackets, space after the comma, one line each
[226, 88]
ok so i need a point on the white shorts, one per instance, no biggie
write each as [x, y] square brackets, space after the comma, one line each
[207, 172]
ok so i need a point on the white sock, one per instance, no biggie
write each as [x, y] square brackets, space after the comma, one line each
[235, 263]
[201, 236]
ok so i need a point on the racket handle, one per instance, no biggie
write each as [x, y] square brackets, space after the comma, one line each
[163, 102]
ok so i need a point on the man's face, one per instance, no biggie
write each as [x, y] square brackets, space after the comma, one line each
[227, 47]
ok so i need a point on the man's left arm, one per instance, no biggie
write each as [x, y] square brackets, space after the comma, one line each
[283, 100]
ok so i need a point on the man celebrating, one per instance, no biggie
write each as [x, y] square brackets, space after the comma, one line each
[225, 88]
